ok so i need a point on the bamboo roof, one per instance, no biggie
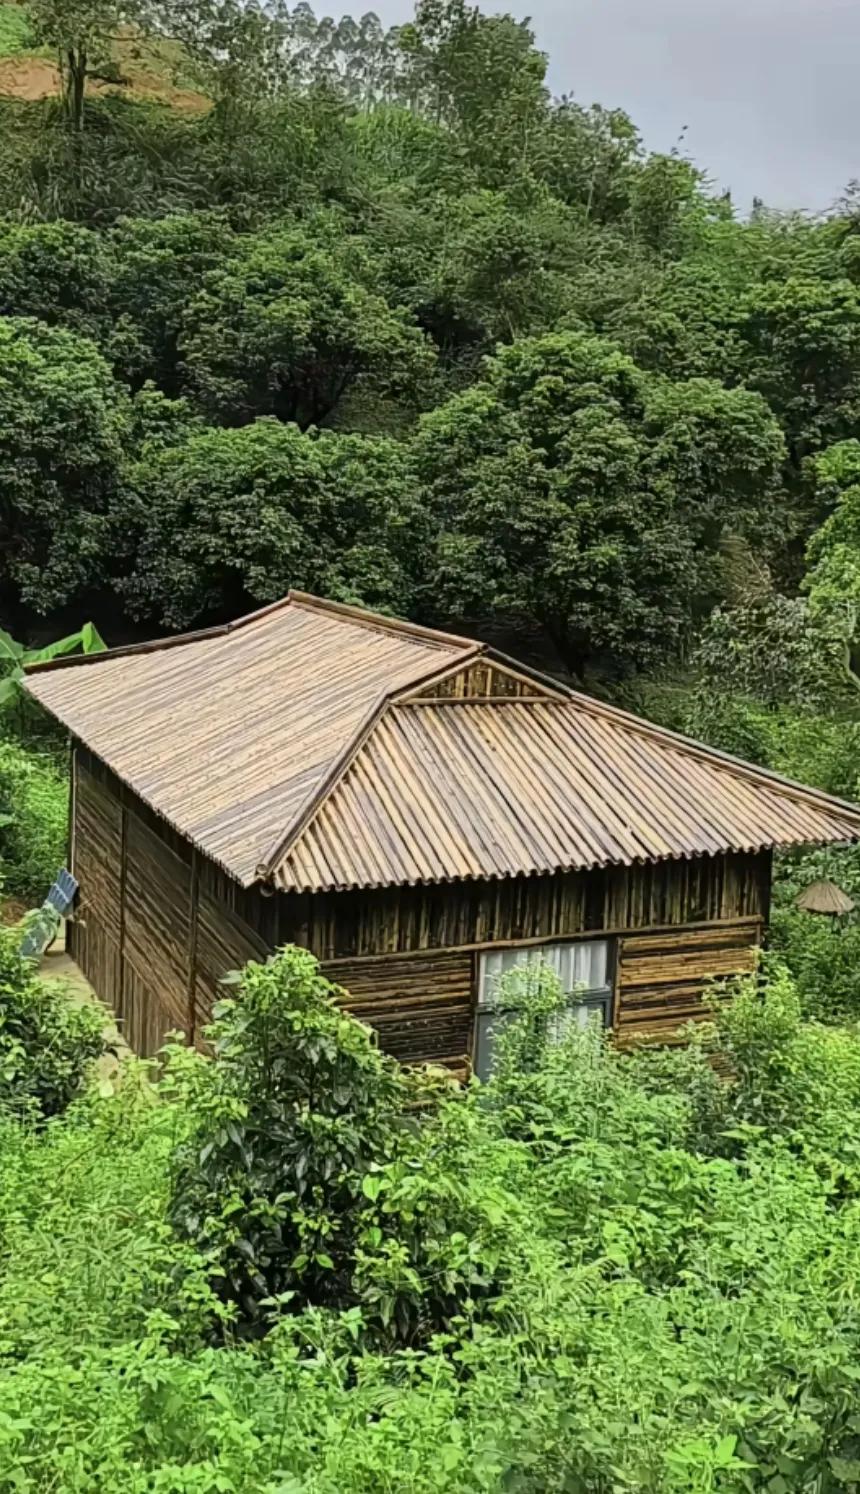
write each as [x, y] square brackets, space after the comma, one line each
[825, 897]
[300, 746]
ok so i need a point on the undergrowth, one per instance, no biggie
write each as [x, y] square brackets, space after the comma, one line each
[650, 1274]
[16, 33]
[34, 815]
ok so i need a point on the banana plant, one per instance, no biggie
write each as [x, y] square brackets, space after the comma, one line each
[14, 657]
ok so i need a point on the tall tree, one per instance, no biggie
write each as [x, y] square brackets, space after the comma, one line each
[82, 33]
[570, 488]
[288, 326]
[226, 518]
[63, 429]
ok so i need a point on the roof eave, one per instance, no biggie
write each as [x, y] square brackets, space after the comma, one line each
[531, 873]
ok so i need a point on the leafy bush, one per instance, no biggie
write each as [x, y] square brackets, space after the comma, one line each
[15, 30]
[824, 958]
[660, 1264]
[46, 1043]
[291, 1148]
[34, 813]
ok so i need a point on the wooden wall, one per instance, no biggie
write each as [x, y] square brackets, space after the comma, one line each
[131, 931]
[484, 680]
[158, 926]
[661, 976]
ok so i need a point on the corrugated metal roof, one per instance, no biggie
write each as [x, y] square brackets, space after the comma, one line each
[279, 747]
[452, 790]
[227, 733]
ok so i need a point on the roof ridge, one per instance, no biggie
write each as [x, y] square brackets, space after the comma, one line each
[340, 764]
[158, 645]
[365, 617]
[359, 616]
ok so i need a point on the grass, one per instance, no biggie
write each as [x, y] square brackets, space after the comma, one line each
[15, 32]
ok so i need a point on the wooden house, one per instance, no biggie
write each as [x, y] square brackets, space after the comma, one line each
[416, 809]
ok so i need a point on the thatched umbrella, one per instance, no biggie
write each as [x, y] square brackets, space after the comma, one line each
[824, 897]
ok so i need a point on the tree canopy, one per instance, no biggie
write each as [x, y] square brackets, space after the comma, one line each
[561, 382]
[63, 420]
[570, 486]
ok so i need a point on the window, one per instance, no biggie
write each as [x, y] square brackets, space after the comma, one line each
[583, 970]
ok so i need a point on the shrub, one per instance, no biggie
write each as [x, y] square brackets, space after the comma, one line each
[301, 1104]
[320, 1173]
[621, 1308]
[823, 956]
[34, 808]
[46, 1044]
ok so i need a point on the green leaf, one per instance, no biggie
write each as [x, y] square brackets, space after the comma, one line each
[10, 688]
[724, 1451]
[53, 650]
[91, 639]
[9, 649]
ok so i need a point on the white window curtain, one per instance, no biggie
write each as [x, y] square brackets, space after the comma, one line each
[578, 966]
[582, 969]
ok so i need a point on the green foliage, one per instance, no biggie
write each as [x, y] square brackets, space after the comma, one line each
[46, 1044]
[302, 1106]
[157, 267]
[62, 421]
[34, 815]
[58, 272]
[288, 328]
[14, 657]
[672, 1259]
[361, 217]
[308, 1178]
[823, 955]
[15, 31]
[571, 488]
[231, 516]
[772, 650]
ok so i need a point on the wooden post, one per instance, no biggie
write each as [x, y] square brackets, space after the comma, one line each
[118, 1000]
[192, 947]
[70, 844]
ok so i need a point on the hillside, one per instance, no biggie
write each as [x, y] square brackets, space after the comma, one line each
[139, 68]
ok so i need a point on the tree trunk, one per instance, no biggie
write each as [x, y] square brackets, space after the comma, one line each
[76, 77]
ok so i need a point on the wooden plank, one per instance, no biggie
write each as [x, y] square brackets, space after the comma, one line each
[727, 934]
[157, 921]
[663, 977]
[422, 1010]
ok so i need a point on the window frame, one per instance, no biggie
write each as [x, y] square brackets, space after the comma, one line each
[601, 998]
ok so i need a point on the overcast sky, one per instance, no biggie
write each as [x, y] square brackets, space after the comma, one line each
[769, 89]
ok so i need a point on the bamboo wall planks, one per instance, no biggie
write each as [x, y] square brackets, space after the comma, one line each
[130, 934]
[157, 936]
[397, 920]
[662, 976]
[406, 956]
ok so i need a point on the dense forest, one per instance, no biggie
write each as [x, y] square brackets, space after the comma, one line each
[292, 301]
[375, 316]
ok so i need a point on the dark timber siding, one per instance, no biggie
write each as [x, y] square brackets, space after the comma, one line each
[158, 925]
